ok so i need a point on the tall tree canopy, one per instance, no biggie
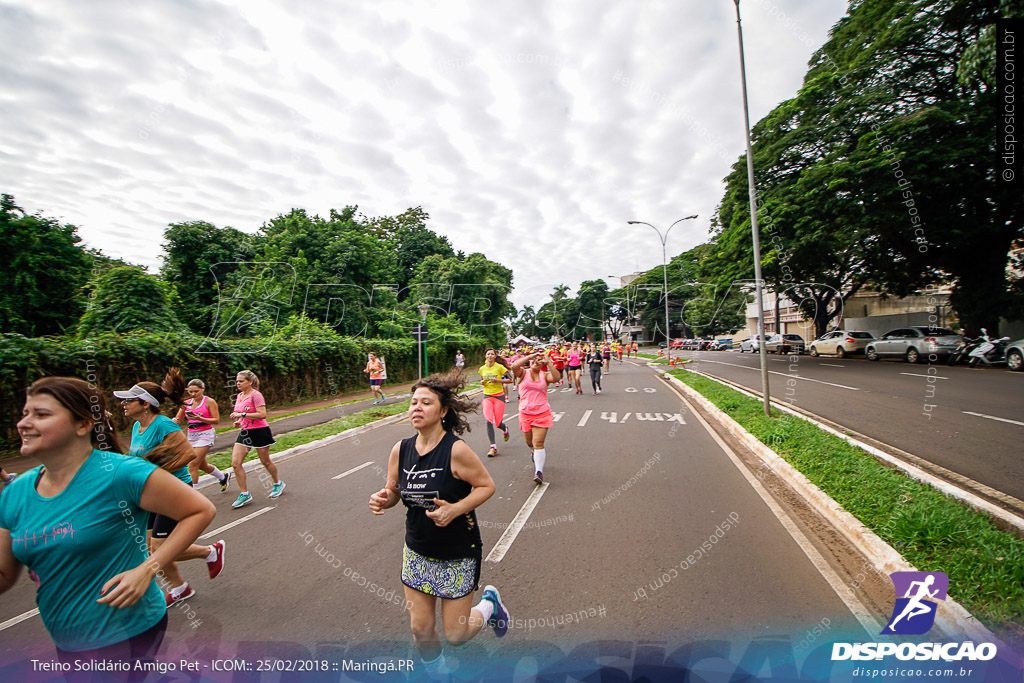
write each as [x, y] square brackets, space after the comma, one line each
[42, 272]
[128, 299]
[881, 171]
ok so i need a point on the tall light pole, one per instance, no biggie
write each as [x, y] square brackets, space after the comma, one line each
[664, 272]
[422, 343]
[753, 228]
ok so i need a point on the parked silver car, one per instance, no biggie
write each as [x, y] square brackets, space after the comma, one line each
[914, 344]
[751, 344]
[784, 343]
[841, 343]
[1015, 355]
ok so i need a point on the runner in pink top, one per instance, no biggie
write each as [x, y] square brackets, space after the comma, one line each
[535, 416]
[201, 413]
[250, 415]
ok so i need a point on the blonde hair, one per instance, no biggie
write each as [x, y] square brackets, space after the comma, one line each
[251, 376]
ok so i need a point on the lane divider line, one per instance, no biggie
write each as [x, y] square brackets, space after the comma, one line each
[916, 374]
[518, 522]
[992, 417]
[18, 619]
[235, 523]
[583, 420]
[354, 469]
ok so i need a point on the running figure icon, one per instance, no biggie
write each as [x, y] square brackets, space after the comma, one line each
[916, 604]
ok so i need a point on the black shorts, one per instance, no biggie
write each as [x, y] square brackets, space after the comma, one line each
[257, 437]
[162, 526]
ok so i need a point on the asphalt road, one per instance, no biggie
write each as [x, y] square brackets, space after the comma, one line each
[636, 488]
[946, 415]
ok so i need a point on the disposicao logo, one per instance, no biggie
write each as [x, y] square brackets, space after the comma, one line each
[914, 613]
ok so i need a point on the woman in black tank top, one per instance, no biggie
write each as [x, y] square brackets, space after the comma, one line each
[441, 481]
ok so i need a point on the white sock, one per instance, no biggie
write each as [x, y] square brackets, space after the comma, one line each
[175, 592]
[217, 473]
[435, 666]
[485, 608]
[213, 554]
[539, 456]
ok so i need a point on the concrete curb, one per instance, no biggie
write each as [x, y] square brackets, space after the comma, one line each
[208, 479]
[953, 620]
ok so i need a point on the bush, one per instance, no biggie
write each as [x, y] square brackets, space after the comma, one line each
[289, 370]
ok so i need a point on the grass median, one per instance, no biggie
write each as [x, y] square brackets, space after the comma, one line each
[933, 531]
[303, 436]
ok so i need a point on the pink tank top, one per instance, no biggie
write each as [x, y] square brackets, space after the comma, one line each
[195, 426]
[574, 359]
[533, 394]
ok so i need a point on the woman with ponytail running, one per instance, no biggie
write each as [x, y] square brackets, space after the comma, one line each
[493, 376]
[78, 521]
[535, 416]
[202, 414]
[251, 415]
[441, 482]
[159, 440]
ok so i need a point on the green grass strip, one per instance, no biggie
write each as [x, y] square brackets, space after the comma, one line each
[932, 530]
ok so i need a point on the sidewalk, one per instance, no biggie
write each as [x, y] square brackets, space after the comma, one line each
[325, 411]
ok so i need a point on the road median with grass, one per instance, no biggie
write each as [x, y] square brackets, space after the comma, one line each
[931, 530]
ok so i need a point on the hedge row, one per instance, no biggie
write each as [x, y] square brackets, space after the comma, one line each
[289, 371]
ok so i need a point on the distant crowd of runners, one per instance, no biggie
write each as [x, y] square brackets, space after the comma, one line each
[114, 521]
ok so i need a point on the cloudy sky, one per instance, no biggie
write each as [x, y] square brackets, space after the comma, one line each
[528, 130]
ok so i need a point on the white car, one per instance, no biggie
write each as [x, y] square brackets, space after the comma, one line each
[841, 343]
[751, 344]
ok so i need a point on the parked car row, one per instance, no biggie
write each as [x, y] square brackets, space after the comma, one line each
[914, 344]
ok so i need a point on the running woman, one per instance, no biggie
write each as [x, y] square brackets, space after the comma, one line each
[159, 440]
[535, 416]
[201, 413]
[375, 369]
[594, 361]
[618, 351]
[460, 360]
[606, 352]
[78, 522]
[558, 358]
[251, 415]
[636, 350]
[441, 481]
[574, 364]
[493, 376]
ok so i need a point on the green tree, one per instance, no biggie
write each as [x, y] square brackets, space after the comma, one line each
[199, 258]
[881, 171]
[42, 272]
[411, 241]
[127, 300]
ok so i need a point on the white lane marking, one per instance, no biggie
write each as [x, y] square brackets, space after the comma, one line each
[236, 522]
[784, 374]
[993, 417]
[862, 613]
[354, 469]
[18, 619]
[518, 522]
[832, 365]
[914, 374]
[583, 420]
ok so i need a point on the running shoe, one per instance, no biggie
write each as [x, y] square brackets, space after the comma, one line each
[383, 397]
[504, 433]
[243, 499]
[538, 478]
[376, 403]
[277, 490]
[500, 618]
[224, 481]
[218, 563]
[492, 451]
[595, 392]
[185, 595]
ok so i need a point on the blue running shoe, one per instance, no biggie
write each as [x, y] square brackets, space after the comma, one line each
[243, 499]
[500, 619]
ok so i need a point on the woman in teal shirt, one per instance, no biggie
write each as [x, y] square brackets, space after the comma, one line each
[159, 439]
[78, 523]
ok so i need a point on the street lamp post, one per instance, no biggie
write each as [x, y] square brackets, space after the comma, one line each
[664, 272]
[762, 352]
[421, 356]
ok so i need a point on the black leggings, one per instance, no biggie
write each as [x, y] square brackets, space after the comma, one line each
[490, 430]
[595, 377]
